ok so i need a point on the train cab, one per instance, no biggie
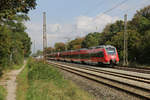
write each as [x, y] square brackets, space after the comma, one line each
[111, 55]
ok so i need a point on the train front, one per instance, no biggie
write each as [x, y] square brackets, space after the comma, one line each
[111, 55]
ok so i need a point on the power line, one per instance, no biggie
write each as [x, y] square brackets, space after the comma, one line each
[143, 3]
[95, 8]
[116, 6]
[109, 10]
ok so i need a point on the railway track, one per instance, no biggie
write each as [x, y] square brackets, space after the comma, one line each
[141, 70]
[134, 84]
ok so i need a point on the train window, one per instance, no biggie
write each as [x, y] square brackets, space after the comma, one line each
[111, 51]
[97, 54]
[73, 56]
[84, 56]
[100, 54]
[87, 56]
[70, 56]
[93, 54]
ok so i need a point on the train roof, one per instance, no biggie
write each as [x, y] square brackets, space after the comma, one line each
[109, 46]
[101, 46]
[96, 47]
[83, 49]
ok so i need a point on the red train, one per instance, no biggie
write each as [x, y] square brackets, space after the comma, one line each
[103, 54]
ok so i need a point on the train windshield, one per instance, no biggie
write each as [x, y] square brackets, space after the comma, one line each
[111, 51]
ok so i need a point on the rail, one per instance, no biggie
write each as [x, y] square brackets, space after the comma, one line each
[137, 85]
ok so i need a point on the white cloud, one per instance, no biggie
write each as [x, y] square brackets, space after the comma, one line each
[54, 27]
[63, 32]
[90, 24]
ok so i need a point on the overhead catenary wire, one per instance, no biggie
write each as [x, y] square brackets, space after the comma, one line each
[94, 8]
[114, 7]
[131, 8]
[109, 10]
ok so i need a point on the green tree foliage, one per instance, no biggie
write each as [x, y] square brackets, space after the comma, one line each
[15, 43]
[19, 34]
[59, 46]
[141, 23]
[4, 46]
[75, 44]
[111, 30]
[134, 43]
[9, 8]
[92, 39]
[49, 49]
[138, 37]
[145, 48]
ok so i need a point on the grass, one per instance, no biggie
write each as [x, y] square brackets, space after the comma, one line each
[2, 93]
[40, 81]
[22, 84]
[10, 68]
[17, 66]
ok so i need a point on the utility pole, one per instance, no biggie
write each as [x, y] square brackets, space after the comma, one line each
[44, 37]
[34, 47]
[68, 39]
[125, 56]
[96, 29]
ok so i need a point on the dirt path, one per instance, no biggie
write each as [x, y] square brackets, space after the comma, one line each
[9, 82]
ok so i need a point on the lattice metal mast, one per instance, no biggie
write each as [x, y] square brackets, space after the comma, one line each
[125, 56]
[44, 36]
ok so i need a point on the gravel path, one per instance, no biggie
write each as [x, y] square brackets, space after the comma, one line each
[9, 82]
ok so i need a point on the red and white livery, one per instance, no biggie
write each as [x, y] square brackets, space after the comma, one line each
[103, 54]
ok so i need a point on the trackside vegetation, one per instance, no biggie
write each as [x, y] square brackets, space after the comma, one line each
[40, 81]
[15, 43]
[2, 93]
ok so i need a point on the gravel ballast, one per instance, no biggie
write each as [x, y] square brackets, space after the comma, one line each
[100, 91]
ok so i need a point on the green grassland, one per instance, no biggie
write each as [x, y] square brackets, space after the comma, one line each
[40, 81]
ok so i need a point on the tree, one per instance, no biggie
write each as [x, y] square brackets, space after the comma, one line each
[141, 23]
[141, 20]
[15, 44]
[92, 39]
[134, 42]
[49, 50]
[111, 30]
[4, 47]
[60, 46]
[9, 8]
[75, 44]
[145, 48]
[19, 34]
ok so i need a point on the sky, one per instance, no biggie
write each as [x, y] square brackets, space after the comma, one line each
[69, 19]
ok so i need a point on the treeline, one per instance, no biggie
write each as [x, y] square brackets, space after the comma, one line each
[15, 43]
[138, 30]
